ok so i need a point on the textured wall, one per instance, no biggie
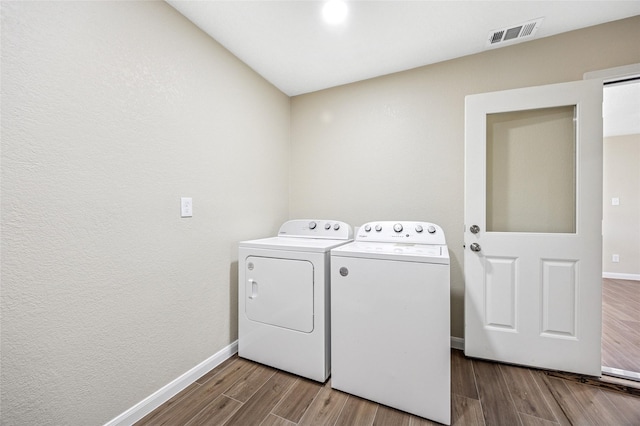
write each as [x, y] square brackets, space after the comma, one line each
[621, 224]
[394, 145]
[111, 111]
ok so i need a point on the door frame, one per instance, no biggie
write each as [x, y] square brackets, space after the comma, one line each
[610, 75]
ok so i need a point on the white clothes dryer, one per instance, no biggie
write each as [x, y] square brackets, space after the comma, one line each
[390, 332]
[283, 297]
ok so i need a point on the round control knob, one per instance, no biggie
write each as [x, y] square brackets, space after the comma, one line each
[367, 228]
[378, 228]
[327, 226]
[431, 229]
[312, 225]
[336, 226]
[418, 228]
[397, 227]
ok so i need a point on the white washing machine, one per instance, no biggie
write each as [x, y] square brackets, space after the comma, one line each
[283, 297]
[390, 332]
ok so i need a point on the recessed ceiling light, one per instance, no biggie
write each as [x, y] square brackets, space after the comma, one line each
[334, 12]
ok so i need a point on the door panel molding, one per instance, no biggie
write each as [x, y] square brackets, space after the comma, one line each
[559, 298]
[500, 293]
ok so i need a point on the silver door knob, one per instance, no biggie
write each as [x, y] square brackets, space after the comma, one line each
[475, 247]
[474, 229]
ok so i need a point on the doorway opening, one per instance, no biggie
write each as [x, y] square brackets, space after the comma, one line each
[621, 228]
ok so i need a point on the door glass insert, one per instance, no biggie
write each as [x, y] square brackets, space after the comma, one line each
[531, 171]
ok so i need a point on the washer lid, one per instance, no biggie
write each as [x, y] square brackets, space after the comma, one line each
[406, 252]
[294, 244]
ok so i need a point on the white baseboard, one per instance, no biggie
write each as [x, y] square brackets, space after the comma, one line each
[617, 276]
[168, 391]
[457, 343]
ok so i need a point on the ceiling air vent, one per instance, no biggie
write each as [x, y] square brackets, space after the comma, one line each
[515, 34]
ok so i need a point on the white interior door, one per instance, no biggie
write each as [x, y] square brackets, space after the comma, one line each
[533, 218]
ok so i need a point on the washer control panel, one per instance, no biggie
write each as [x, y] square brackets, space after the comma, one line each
[314, 228]
[401, 231]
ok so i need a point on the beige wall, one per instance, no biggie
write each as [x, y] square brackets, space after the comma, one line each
[392, 147]
[111, 111]
[621, 224]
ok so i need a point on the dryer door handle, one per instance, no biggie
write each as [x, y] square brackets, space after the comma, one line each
[254, 289]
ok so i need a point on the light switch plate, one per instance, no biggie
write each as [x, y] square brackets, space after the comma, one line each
[186, 207]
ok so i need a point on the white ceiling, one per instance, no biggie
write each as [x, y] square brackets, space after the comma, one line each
[288, 44]
[621, 109]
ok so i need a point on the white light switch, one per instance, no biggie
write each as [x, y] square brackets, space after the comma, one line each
[186, 207]
[615, 201]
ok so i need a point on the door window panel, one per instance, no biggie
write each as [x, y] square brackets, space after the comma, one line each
[531, 171]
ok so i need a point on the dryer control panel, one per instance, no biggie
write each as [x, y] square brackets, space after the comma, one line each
[314, 228]
[402, 231]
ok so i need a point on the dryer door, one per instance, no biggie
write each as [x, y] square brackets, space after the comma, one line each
[279, 292]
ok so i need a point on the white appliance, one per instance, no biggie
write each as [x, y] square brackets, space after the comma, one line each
[390, 332]
[283, 297]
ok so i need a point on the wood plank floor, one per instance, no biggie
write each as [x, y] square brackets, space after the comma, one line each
[240, 392]
[621, 324]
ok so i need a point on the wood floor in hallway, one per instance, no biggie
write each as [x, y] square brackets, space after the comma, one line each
[621, 324]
